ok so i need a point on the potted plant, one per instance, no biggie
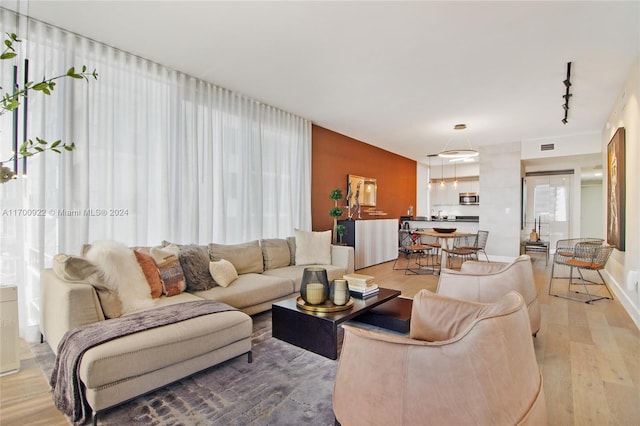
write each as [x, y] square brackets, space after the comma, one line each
[340, 230]
[335, 212]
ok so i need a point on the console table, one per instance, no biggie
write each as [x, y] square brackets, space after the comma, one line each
[536, 247]
[374, 240]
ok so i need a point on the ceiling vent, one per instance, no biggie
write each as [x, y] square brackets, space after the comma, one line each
[547, 147]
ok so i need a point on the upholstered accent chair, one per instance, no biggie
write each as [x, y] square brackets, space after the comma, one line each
[487, 282]
[463, 363]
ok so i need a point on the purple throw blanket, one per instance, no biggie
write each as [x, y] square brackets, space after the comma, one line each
[68, 389]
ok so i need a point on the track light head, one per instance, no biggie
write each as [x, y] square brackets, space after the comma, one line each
[567, 96]
[566, 107]
[564, 121]
[567, 83]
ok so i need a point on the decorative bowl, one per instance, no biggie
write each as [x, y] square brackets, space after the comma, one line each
[445, 230]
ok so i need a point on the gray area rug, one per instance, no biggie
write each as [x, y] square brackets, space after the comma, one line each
[285, 385]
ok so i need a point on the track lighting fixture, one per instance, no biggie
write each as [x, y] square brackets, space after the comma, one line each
[567, 95]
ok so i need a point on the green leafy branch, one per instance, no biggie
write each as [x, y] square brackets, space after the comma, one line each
[11, 101]
[30, 147]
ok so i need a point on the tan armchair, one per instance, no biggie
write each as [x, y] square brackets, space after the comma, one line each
[464, 363]
[486, 282]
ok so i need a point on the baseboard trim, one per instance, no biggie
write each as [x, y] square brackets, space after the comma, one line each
[623, 297]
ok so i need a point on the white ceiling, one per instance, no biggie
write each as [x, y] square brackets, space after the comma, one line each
[394, 74]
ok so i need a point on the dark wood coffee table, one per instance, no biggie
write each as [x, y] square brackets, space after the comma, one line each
[318, 332]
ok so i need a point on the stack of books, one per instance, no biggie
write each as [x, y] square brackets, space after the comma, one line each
[361, 286]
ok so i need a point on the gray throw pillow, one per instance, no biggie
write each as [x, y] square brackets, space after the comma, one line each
[291, 241]
[194, 260]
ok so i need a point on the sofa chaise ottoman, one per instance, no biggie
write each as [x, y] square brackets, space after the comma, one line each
[75, 292]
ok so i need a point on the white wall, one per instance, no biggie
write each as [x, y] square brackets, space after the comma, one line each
[564, 146]
[591, 217]
[626, 113]
[500, 203]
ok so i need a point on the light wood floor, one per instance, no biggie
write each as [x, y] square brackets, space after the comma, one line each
[589, 356]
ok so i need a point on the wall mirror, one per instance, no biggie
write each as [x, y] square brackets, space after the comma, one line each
[363, 188]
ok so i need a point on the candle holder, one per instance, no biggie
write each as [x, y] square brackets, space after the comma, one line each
[314, 287]
[339, 292]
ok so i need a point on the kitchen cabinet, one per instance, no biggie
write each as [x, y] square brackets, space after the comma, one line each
[449, 195]
[374, 241]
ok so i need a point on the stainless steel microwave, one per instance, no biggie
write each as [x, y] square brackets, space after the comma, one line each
[469, 198]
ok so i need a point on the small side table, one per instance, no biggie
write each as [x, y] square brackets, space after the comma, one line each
[536, 247]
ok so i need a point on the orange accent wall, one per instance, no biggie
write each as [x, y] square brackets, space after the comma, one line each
[334, 156]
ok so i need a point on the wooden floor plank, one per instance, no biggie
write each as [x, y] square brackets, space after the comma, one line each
[589, 402]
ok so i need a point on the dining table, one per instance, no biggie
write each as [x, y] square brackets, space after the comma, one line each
[445, 239]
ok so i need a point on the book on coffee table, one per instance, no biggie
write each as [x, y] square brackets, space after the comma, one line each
[358, 280]
[364, 292]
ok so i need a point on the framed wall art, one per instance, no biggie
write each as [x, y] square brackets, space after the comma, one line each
[616, 190]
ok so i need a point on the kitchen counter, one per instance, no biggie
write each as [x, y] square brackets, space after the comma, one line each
[475, 219]
[463, 224]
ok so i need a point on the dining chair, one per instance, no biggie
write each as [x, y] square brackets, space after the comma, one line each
[415, 252]
[435, 245]
[406, 239]
[460, 250]
[479, 244]
[586, 255]
[421, 260]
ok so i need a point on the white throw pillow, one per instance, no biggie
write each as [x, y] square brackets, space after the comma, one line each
[313, 248]
[223, 272]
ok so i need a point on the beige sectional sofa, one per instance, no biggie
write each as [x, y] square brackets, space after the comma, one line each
[195, 344]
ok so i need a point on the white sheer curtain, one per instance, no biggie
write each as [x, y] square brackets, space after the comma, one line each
[160, 156]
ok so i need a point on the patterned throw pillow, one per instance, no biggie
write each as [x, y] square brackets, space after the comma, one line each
[169, 268]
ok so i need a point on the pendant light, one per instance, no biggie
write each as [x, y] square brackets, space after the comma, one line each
[458, 153]
[429, 168]
[455, 176]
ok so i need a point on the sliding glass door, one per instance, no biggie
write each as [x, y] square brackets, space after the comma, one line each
[548, 206]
